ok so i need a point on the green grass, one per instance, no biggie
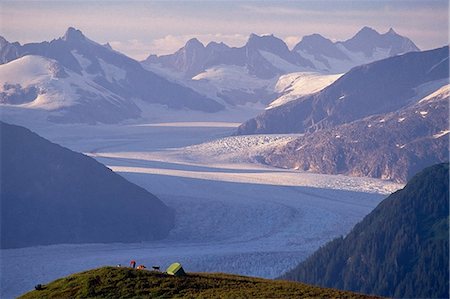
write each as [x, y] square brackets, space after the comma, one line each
[113, 282]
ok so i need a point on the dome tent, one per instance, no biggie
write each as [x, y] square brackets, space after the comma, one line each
[176, 269]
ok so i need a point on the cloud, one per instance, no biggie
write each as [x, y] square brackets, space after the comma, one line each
[134, 48]
[168, 44]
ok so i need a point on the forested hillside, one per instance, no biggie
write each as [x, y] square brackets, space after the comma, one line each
[399, 250]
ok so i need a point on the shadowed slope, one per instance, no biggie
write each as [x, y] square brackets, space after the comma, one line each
[50, 194]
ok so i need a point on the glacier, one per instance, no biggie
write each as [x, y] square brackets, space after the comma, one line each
[232, 215]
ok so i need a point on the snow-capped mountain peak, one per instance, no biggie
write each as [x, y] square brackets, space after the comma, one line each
[193, 43]
[316, 45]
[391, 31]
[35, 82]
[73, 34]
[367, 41]
[365, 33]
[108, 46]
[217, 46]
[366, 46]
[268, 43]
[3, 42]
[8, 51]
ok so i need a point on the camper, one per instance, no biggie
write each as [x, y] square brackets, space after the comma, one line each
[133, 264]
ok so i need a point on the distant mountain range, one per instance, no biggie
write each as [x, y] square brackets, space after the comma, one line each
[263, 59]
[387, 119]
[366, 46]
[50, 195]
[83, 81]
[399, 250]
[257, 56]
[77, 80]
[268, 56]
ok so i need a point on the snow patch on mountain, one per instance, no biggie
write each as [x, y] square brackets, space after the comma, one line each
[112, 72]
[334, 65]
[229, 77]
[294, 85]
[41, 74]
[359, 58]
[441, 133]
[280, 63]
[440, 93]
[26, 70]
[34, 84]
[82, 61]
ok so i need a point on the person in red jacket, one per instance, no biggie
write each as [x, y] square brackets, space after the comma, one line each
[133, 264]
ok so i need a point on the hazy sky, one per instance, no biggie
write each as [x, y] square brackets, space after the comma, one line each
[142, 27]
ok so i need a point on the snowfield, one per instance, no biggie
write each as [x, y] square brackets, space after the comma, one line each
[39, 72]
[45, 74]
[294, 85]
[232, 215]
[229, 77]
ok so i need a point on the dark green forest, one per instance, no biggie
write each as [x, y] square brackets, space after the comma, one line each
[401, 249]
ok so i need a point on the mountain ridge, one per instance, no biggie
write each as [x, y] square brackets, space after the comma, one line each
[125, 282]
[52, 195]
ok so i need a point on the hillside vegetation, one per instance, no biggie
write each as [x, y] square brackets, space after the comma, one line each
[113, 282]
[399, 250]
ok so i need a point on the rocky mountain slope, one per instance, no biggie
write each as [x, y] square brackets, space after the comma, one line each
[379, 87]
[111, 282]
[51, 195]
[399, 250]
[96, 79]
[391, 146]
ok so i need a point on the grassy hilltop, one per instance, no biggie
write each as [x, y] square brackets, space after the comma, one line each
[113, 282]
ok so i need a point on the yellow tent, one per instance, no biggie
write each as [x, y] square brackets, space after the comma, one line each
[176, 269]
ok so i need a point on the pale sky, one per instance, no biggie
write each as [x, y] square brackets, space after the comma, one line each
[140, 28]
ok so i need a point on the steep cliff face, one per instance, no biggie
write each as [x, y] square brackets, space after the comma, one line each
[391, 146]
